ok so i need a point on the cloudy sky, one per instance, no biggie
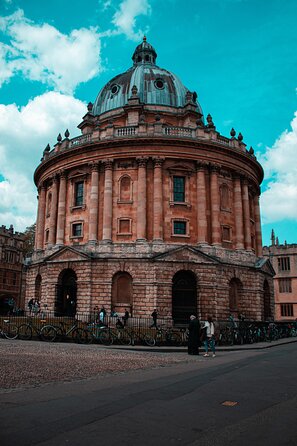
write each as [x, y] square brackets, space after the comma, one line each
[239, 55]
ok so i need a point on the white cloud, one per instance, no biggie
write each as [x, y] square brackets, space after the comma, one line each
[42, 53]
[279, 201]
[24, 134]
[125, 18]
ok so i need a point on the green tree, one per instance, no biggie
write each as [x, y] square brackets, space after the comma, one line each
[28, 247]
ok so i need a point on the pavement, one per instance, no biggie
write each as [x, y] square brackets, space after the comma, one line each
[224, 348]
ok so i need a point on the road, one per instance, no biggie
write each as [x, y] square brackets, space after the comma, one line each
[238, 398]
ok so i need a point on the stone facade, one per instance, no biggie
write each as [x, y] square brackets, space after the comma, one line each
[11, 270]
[150, 208]
[283, 257]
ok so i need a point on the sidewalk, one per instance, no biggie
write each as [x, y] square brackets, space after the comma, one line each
[225, 348]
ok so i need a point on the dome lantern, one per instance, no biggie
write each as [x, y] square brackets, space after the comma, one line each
[144, 53]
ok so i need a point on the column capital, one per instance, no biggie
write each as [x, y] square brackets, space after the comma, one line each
[142, 161]
[214, 167]
[201, 165]
[94, 166]
[107, 164]
[158, 161]
[62, 173]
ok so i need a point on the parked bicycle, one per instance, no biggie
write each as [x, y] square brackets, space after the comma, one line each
[8, 330]
[28, 329]
[167, 336]
[61, 332]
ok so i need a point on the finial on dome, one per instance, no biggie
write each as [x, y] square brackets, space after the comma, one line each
[144, 38]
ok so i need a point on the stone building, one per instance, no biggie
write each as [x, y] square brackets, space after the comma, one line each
[283, 257]
[11, 270]
[151, 207]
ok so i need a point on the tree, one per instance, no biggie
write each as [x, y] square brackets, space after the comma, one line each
[29, 240]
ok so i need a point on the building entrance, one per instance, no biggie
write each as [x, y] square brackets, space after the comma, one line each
[184, 297]
[66, 291]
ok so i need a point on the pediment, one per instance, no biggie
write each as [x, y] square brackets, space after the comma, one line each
[185, 254]
[265, 265]
[67, 254]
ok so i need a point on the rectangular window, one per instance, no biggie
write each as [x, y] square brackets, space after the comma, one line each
[226, 234]
[283, 263]
[124, 226]
[179, 189]
[46, 235]
[285, 285]
[77, 230]
[79, 193]
[287, 310]
[180, 227]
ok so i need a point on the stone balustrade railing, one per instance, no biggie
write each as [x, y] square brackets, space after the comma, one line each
[151, 131]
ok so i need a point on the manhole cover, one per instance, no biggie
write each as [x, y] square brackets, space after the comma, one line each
[229, 403]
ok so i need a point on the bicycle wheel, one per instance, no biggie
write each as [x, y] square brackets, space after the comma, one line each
[81, 336]
[174, 339]
[25, 332]
[105, 338]
[149, 340]
[124, 338]
[48, 333]
[10, 331]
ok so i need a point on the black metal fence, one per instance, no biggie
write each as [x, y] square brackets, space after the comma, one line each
[88, 327]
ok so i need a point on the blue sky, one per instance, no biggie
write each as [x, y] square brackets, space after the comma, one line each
[238, 55]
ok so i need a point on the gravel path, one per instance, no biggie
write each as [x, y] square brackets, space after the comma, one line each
[32, 363]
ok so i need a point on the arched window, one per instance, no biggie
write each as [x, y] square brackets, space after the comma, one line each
[125, 185]
[225, 197]
[38, 287]
[49, 204]
[235, 292]
[252, 210]
[122, 291]
[267, 300]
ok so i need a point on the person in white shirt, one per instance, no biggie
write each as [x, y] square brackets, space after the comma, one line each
[210, 337]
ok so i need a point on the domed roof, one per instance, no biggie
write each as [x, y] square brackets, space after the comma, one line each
[155, 85]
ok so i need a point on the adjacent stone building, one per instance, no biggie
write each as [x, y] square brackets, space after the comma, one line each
[11, 270]
[151, 207]
[283, 257]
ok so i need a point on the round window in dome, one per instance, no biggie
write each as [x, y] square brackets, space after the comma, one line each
[114, 88]
[159, 83]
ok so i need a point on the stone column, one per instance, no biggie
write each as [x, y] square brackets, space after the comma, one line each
[158, 200]
[246, 215]
[141, 200]
[93, 205]
[238, 213]
[61, 210]
[201, 204]
[53, 214]
[107, 205]
[39, 238]
[258, 226]
[215, 206]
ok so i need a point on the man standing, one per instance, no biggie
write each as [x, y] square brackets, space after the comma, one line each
[194, 336]
[154, 316]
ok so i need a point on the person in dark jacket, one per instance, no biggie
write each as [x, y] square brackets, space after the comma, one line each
[194, 336]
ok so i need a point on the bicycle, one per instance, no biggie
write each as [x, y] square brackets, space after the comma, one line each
[26, 331]
[167, 336]
[60, 332]
[10, 331]
[107, 336]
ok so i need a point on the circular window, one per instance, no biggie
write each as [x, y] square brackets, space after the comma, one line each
[114, 89]
[159, 83]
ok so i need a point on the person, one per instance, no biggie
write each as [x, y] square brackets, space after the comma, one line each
[210, 337]
[194, 334]
[30, 305]
[36, 307]
[154, 316]
[119, 323]
[126, 317]
[113, 313]
[102, 315]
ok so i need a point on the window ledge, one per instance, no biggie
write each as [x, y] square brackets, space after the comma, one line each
[180, 203]
[74, 208]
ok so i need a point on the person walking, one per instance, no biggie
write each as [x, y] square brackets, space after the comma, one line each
[210, 337]
[194, 336]
[125, 317]
[154, 316]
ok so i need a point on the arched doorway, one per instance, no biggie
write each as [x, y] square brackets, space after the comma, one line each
[66, 291]
[267, 301]
[38, 287]
[235, 296]
[184, 296]
[122, 292]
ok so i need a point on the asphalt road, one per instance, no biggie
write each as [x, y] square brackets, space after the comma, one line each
[180, 404]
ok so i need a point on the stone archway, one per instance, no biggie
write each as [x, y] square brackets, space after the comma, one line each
[184, 296]
[66, 294]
